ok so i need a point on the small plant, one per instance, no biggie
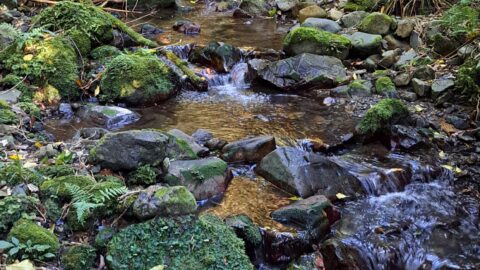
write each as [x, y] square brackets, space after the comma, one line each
[64, 157]
[87, 199]
[143, 175]
[18, 250]
[413, 7]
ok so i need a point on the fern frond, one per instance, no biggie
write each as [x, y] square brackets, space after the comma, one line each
[82, 208]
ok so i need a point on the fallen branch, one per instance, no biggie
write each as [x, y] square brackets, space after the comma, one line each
[50, 2]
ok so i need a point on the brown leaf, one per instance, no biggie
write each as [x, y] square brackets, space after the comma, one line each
[447, 128]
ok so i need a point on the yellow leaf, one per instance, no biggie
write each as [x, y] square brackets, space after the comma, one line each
[38, 144]
[158, 267]
[418, 108]
[448, 167]
[341, 196]
[441, 155]
[23, 265]
[15, 157]
[458, 170]
[28, 57]
[294, 198]
[136, 83]
[354, 76]
[97, 91]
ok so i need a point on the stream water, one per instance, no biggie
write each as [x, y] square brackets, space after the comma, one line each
[412, 217]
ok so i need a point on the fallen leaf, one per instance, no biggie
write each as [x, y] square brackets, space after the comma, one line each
[23, 265]
[97, 91]
[446, 127]
[341, 196]
[28, 57]
[294, 198]
[419, 108]
[441, 155]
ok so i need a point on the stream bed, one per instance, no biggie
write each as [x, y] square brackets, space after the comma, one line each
[408, 220]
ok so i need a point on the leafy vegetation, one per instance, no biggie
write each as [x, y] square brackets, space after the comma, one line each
[28, 250]
[25, 230]
[143, 175]
[79, 258]
[382, 114]
[13, 208]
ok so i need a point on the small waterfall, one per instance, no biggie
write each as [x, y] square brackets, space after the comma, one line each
[235, 79]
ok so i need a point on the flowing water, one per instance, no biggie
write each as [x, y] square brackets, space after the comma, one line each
[412, 217]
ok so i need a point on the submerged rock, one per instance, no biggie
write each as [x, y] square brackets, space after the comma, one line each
[312, 40]
[306, 174]
[185, 242]
[108, 116]
[304, 71]
[164, 201]
[205, 178]
[248, 150]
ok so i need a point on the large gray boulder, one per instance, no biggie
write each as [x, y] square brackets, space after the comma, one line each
[127, 150]
[205, 178]
[306, 174]
[304, 71]
[200, 151]
[108, 116]
[248, 150]
[364, 44]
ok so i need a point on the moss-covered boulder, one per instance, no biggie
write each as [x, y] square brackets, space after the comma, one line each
[360, 88]
[7, 116]
[164, 201]
[138, 78]
[364, 44]
[79, 258]
[143, 175]
[77, 19]
[46, 60]
[104, 54]
[12, 208]
[382, 115]
[204, 177]
[385, 86]
[376, 23]
[185, 243]
[25, 230]
[59, 186]
[311, 40]
[245, 229]
[252, 8]
[128, 150]
[7, 35]
[221, 56]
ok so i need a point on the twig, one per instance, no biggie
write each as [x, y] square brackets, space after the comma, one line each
[49, 2]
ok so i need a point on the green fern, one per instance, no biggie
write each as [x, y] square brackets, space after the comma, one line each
[87, 199]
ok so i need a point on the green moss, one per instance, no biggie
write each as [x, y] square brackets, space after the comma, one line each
[245, 229]
[30, 108]
[12, 208]
[103, 237]
[143, 175]
[46, 60]
[351, 6]
[204, 172]
[57, 186]
[369, 5]
[384, 86]
[104, 52]
[176, 200]
[462, 21]
[53, 207]
[374, 22]
[136, 78]
[25, 230]
[184, 243]
[467, 80]
[14, 174]
[79, 258]
[382, 114]
[329, 42]
[80, 42]
[53, 171]
[179, 148]
[8, 117]
[8, 34]
[358, 85]
[70, 17]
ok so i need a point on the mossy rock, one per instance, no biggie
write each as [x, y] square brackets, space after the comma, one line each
[8, 34]
[13, 174]
[165, 201]
[79, 258]
[312, 40]
[12, 208]
[104, 54]
[382, 115]
[58, 186]
[103, 237]
[179, 148]
[45, 60]
[182, 243]
[360, 88]
[25, 230]
[76, 19]
[138, 78]
[385, 86]
[30, 108]
[245, 229]
[376, 23]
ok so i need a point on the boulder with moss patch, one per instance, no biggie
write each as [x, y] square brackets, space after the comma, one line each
[360, 88]
[169, 242]
[7, 35]
[14, 174]
[127, 150]
[204, 177]
[79, 258]
[164, 201]
[48, 60]
[385, 86]
[311, 40]
[137, 79]
[364, 44]
[376, 23]
[25, 230]
[383, 114]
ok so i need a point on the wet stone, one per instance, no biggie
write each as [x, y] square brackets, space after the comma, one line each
[420, 87]
[440, 86]
[248, 150]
